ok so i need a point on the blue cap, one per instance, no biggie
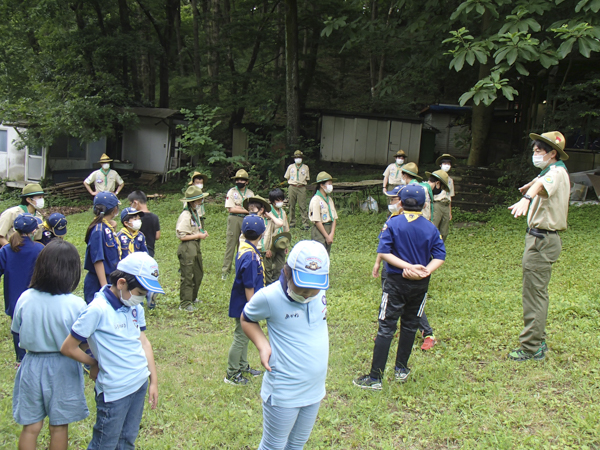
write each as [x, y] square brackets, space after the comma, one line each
[394, 192]
[309, 262]
[253, 223]
[107, 199]
[130, 212]
[144, 268]
[26, 223]
[58, 223]
[415, 191]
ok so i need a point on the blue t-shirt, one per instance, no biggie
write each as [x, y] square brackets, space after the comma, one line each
[113, 332]
[17, 269]
[412, 238]
[249, 273]
[43, 321]
[102, 246]
[299, 345]
[138, 242]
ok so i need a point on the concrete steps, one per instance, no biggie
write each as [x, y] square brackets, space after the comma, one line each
[471, 187]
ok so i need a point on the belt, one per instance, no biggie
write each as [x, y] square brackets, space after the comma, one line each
[238, 215]
[539, 233]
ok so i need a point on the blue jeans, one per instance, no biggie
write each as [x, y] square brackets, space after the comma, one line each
[118, 423]
[287, 428]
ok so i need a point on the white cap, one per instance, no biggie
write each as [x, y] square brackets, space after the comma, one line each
[144, 268]
[309, 262]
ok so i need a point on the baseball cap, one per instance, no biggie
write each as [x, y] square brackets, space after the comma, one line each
[130, 212]
[107, 199]
[309, 262]
[58, 223]
[253, 223]
[394, 192]
[26, 223]
[414, 191]
[144, 268]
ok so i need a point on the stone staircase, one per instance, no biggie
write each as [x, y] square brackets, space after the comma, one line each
[470, 187]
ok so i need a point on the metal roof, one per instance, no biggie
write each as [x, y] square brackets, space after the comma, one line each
[158, 113]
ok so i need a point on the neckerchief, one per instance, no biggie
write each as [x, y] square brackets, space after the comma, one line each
[195, 217]
[25, 209]
[107, 223]
[429, 192]
[105, 176]
[274, 211]
[248, 247]
[131, 236]
[411, 216]
[298, 171]
[326, 201]
[242, 195]
[558, 163]
[262, 239]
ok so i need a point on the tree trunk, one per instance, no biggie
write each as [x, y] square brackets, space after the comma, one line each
[196, 58]
[211, 30]
[372, 57]
[179, 40]
[129, 60]
[291, 74]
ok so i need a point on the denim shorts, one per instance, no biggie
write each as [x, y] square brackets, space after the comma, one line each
[49, 385]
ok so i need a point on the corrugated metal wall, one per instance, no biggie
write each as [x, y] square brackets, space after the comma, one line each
[368, 141]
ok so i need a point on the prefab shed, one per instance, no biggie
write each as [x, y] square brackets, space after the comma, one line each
[367, 138]
[448, 122]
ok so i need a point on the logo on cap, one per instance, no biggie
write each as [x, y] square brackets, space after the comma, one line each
[155, 273]
[313, 265]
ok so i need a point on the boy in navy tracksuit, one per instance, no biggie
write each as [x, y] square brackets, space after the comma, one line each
[130, 238]
[413, 248]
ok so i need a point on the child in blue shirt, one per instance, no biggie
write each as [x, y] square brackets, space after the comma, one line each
[16, 264]
[113, 325]
[54, 227]
[47, 383]
[297, 351]
[130, 238]
[249, 278]
[103, 251]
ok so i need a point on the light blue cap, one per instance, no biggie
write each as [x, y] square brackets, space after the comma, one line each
[309, 262]
[144, 268]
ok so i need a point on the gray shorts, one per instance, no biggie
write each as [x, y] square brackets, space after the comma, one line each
[49, 385]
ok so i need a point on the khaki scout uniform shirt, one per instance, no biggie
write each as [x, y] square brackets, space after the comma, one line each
[103, 182]
[270, 230]
[394, 174]
[297, 176]
[549, 209]
[445, 196]
[186, 225]
[7, 220]
[236, 198]
[318, 210]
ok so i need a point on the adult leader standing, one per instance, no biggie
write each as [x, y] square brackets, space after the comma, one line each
[546, 202]
[104, 179]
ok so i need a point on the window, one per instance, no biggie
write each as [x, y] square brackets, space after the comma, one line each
[67, 147]
[3, 141]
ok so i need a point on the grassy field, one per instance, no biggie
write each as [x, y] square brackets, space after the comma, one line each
[462, 394]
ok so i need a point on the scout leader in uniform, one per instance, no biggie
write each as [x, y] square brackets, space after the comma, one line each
[546, 202]
[297, 176]
[190, 234]
[32, 202]
[392, 176]
[104, 179]
[322, 212]
[442, 199]
[234, 205]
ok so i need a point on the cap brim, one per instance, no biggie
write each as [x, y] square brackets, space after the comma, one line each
[32, 194]
[310, 280]
[150, 285]
[60, 232]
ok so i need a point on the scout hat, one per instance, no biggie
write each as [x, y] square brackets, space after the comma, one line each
[445, 156]
[412, 169]
[198, 175]
[281, 241]
[257, 199]
[400, 153]
[440, 175]
[309, 262]
[107, 199]
[240, 174]
[554, 139]
[394, 192]
[57, 223]
[26, 223]
[31, 190]
[144, 268]
[193, 193]
[104, 159]
[414, 191]
[298, 154]
[253, 223]
[322, 177]
[130, 212]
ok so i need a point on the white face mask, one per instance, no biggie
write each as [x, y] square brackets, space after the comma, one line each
[400, 161]
[538, 161]
[199, 207]
[134, 300]
[329, 188]
[136, 224]
[298, 160]
[38, 203]
[278, 204]
[298, 298]
[199, 185]
[394, 208]
[446, 167]
[106, 166]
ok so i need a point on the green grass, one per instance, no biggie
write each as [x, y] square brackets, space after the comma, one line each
[462, 394]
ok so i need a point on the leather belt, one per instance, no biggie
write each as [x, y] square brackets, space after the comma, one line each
[539, 233]
[237, 215]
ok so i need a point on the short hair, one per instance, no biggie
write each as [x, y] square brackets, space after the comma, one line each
[131, 280]
[24, 200]
[57, 270]
[433, 179]
[412, 177]
[276, 194]
[259, 205]
[543, 145]
[446, 160]
[410, 204]
[251, 235]
[138, 196]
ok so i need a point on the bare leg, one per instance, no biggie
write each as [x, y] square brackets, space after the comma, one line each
[59, 437]
[29, 435]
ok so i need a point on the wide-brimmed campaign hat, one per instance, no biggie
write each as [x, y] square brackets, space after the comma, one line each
[198, 175]
[193, 193]
[400, 153]
[412, 169]
[298, 154]
[241, 174]
[445, 156]
[281, 241]
[440, 175]
[31, 190]
[554, 139]
[322, 177]
[257, 199]
[104, 159]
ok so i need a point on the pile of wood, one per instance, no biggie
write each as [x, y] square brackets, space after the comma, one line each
[68, 189]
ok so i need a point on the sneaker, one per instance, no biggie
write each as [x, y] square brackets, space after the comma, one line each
[188, 308]
[250, 371]
[224, 277]
[152, 300]
[544, 347]
[401, 374]
[429, 342]
[521, 355]
[237, 380]
[366, 382]
[197, 301]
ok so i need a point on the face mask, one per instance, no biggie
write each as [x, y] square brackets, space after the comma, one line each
[199, 185]
[538, 161]
[278, 204]
[240, 185]
[400, 161]
[446, 167]
[394, 208]
[39, 203]
[134, 300]
[436, 191]
[329, 188]
[106, 166]
[298, 298]
[298, 160]
[136, 224]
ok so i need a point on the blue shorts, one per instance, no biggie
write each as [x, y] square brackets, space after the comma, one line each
[49, 385]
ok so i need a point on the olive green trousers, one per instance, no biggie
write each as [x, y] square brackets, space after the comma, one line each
[297, 194]
[192, 272]
[234, 230]
[441, 218]
[316, 235]
[273, 266]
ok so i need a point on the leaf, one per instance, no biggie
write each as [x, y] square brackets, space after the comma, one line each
[507, 91]
[595, 6]
[565, 47]
[511, 56]
[470, 58]
[547, 61]
[480, 9]
[459, 61]
[465, 97]
[521, 69]
[500, 54]
[584, 47]
[481, 55]
[534, 25]
[580, 5]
